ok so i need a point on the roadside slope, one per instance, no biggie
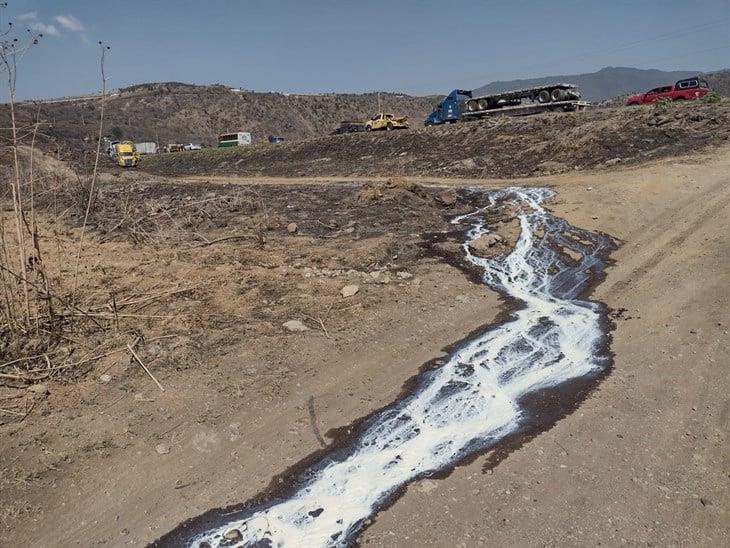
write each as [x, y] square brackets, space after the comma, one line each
[496, 147]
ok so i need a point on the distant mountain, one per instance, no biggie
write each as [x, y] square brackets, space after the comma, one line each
[599, 86]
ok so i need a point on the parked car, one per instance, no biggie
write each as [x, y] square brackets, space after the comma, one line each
[192, 146]
[683, 90]
[275, 139]
[387, 122]
[174, 147]
[349, 126]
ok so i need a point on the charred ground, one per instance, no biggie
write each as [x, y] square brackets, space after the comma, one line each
[496, 147]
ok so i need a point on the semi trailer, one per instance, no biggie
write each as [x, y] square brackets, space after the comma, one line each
[461, 104]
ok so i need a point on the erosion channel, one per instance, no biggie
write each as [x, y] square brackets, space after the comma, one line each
[494, 390]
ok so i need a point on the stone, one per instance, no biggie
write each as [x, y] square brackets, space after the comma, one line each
[162, 448]
[105, 378]
[292, 228]
[403, 275]
[233, 535]
[612, 162]
[485, 242]
[295, 326]
[447, 197]
[349, 290]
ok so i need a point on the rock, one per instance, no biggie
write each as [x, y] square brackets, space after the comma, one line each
[612, 162]
[485, 242]
[103, 379]
[594, 217]
[447, 197]
[162, 448]
[349, 290]
[295, 326]
[292, 228]
[233, 535]
[403, 275]
[39, 389]
[705, 502]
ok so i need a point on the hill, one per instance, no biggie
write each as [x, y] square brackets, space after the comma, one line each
[493, 147]
[601, 85]
[719, 82]
[175, 112]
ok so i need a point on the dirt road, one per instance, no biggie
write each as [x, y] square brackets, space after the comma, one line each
[642, 461]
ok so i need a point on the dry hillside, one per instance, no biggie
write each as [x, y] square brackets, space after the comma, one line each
[495, 147]
[172, 112]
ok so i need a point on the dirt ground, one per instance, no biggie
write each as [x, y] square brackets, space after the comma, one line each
[107, 458]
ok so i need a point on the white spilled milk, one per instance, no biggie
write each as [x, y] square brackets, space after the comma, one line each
[469, 403]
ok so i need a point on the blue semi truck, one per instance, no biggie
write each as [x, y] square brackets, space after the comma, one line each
[461, 104]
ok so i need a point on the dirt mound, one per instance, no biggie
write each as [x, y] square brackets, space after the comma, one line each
[496, 147]
[393, 189]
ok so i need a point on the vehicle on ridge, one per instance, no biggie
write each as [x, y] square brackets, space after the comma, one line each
[683, 90]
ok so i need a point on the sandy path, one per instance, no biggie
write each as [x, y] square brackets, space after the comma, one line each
[644, 460]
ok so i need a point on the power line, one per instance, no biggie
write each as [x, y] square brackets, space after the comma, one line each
[687, 54]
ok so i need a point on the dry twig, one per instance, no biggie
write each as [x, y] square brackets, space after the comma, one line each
[139, 361]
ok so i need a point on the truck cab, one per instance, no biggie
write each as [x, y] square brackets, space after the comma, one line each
[125, 154]
[450, 109]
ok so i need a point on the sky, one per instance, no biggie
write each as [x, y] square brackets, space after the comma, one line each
[320, 46]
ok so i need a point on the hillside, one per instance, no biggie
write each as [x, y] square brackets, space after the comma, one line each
[601, 85]
[719, 82]
[174, 112]
[495, 147]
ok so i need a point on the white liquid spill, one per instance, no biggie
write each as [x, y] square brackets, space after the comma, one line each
[471, 402]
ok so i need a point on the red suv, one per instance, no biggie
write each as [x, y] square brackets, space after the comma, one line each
[691, 88]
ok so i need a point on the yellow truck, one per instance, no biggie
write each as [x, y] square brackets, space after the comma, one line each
[125, 154]
[388, 122]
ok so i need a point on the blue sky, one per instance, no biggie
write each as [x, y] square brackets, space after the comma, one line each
[346, 45]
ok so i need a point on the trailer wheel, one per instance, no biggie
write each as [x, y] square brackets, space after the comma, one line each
[543, 96]
[483, 104]
[558, 94]
[472, 106]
